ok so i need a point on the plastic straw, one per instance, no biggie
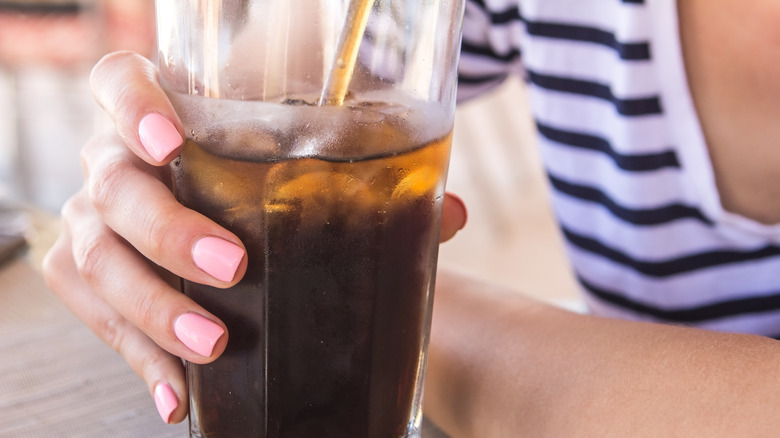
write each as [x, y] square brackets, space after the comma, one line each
[343, 66]
[213, 12]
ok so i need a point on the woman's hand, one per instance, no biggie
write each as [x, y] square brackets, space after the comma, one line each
[125, 239]
[125, 228]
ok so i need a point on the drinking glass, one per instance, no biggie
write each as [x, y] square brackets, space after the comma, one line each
[319, 132]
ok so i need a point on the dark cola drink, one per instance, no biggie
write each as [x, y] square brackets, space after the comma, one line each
[339, 209]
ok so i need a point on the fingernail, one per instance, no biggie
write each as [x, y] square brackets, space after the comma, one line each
[462, 206]
[219, 258]
[158, 136]
[166, 401]
[197, 333]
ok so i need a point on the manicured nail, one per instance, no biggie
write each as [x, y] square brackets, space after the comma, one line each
[219, 258]
[166, 401]
[462, 208]
[158, 136]
[197, 333]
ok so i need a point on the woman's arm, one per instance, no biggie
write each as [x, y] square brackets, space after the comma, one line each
[502, 365]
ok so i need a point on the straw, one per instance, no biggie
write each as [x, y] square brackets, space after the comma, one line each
[340, 74]
[212, 14]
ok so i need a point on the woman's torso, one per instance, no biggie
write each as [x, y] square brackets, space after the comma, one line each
[666, 194]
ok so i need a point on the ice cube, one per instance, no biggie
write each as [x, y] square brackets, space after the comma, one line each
[321, 196]
[418, 183]
[219, 187]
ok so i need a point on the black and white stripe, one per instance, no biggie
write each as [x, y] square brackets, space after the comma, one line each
[630, 201]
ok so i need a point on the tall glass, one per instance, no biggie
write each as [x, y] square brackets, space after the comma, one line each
[319, 133]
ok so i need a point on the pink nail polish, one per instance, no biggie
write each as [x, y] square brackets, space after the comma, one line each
[158, 136]
[462, 207]
[197, 333]
[166, 401]
[219, 258]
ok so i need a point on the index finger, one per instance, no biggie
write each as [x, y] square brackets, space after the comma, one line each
[126, 85]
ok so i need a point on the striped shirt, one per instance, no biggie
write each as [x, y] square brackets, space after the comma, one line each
[633, 186]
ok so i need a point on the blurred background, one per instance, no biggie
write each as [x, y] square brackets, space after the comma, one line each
[47, 48]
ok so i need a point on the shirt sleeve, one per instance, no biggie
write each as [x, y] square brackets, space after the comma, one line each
[490, 50]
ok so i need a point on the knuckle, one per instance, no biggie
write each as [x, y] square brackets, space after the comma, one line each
[152, 363]
[84, 156]
[107, 64]
[106, 181]
[158, 233]
[90, 254]
[113, 77]
[112, 331]
[145, 310]
[69, 208]
[87, 152]
[75, 207]
[54, 263]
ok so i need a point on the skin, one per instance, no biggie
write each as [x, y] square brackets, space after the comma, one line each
[732, 70]
[501, 364]
[504, 365]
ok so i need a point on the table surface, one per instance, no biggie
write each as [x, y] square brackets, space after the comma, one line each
[57, 379]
